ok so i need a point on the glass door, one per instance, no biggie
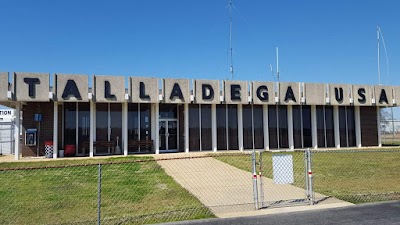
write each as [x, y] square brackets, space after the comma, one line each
[163, 135]
[168, 135]
[172, 135]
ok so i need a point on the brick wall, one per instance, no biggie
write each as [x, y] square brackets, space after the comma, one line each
[46, 125]
[369, 126]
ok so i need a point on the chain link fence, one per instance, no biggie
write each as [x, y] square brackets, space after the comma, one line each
[134, 192]
[168, 188]
[357, 176]
[139, 191]
[283, 178]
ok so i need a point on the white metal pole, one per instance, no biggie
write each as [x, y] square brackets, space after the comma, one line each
[265, 126]
[157, 130]
[17, 130]
[55, 130]
[358, 125]
[314, 126]
[186, 126]
[378, 113]
[277, 64]
[230, 38]
[336, 125]
[290, 126]
[240, 126]
[214, 126]
[125, 127]
[379, 63]
[92, 128]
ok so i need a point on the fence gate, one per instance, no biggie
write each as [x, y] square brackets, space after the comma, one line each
[6, 138]
[282, 178]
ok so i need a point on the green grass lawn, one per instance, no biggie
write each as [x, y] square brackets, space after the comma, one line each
[131, 193]
[354, 176]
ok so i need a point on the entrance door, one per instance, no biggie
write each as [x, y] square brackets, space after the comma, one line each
[168, 135]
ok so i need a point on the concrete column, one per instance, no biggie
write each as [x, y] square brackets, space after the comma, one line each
[290, 126]
[214, 127]
[265, 125]
[55, 130]
[17, 125]
[153, 124]
[357, 119]
[240, 126]
[125, 127]
[378, 119]
[336, 125]
[186, 126]
[92, 127]
[157, 126]
[314, 126]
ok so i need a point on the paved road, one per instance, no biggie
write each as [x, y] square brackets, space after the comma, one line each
[372, 213]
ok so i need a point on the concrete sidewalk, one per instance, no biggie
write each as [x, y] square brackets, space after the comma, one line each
[228, 191]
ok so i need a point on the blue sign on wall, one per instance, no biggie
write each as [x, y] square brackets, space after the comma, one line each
[38, 117]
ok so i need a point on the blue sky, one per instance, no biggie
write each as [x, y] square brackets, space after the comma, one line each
[319, 41]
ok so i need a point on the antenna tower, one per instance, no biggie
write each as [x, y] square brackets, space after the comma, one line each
[230, 39]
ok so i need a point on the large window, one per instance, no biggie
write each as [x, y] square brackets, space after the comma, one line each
[227, 127]
[108, 128]
[194, 127]
[273, 127]
[139, 125]
[325, 126]
[253, 123]
[200, 137]
[278, 127]
[302, 126]
[221, 128]
[206, 124]
[77, 125]
[233, 141]
[347, 126]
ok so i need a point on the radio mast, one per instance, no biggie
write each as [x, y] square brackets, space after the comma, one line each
[230, 39]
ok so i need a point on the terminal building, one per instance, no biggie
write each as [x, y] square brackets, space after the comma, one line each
[130, 115]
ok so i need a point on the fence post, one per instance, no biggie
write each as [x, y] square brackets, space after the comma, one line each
[261, 180]
[255, 186]
[99, 195]
[310, 177]
[307, 192]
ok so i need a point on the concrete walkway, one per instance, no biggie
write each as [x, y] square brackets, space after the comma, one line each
[227, 190]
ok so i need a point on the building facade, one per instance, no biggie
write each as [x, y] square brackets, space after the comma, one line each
[127, 115]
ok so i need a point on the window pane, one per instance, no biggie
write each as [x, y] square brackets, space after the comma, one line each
[221, 127]
[233, 127]
[116, 128]
[283, 127]
[101, 126]
[320, 126]
[258, 126]
[145, 124]
[297, 126]
[272, 127]
[206, 134]
[330, 131]
[70, 123]
[342, 126]
[194, 127]
[168, 111]
[247, 127]
[83, 126]
[307, 134]
[351, 126]
[133, 125]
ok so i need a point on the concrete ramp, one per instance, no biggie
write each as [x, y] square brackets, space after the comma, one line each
[225, 189]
